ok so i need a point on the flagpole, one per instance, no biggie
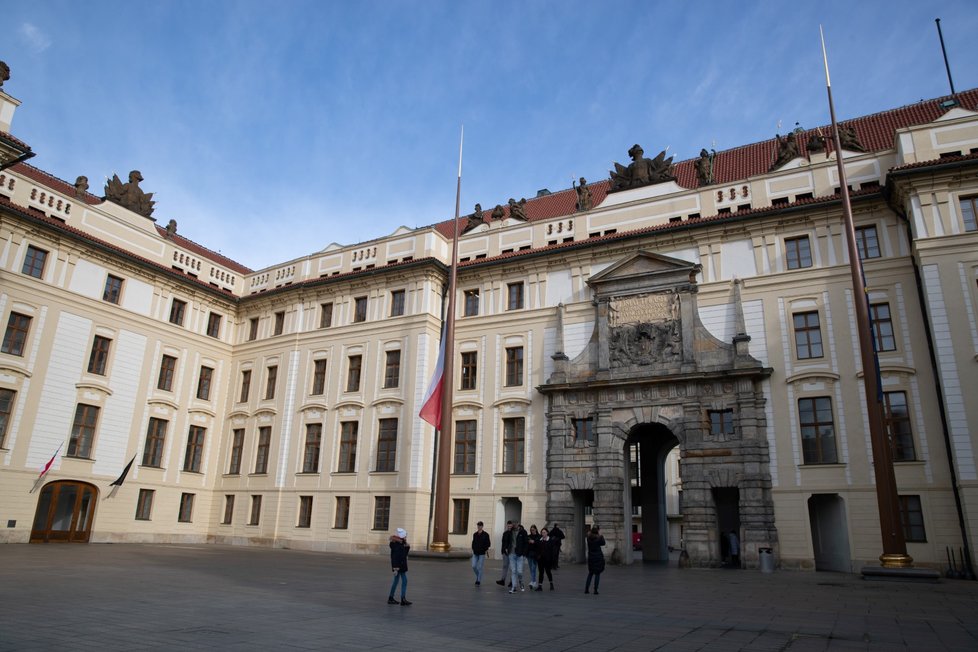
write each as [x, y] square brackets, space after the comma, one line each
[47, 467]
[894, 545]
[443, 468]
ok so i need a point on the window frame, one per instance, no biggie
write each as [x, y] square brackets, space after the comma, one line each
[7, 398]
[359, 309]
[514, 445]
[35, 260]
[969, 212]
[468, 379]
[514, 366]
[392, 369]
[193, 455]
[819, 454]
[263, 448]
[84, 427]
[16, 334]
[806, 330]
[397, 303]
[883, 333]
[279, 327]
[154, 445]
[899, 427]
[178, 311]
[460, 515]
[271, 379]
[587, 425]
[236, 453]
[112, 291]
[341, 517]
[470, 302]
[214, 325]
[354, 370]
[326, 314]
[186, 512]
[913, 531]
[721, 422]
[312, 448]
[98, 358]
[347, 460]
[305, 512]
[144, 504]
[868, 247]
[515, 299]
[386, 460]
[466, 440]
[204, 380]
[319, 369]
[245, 386]
[254, 516]
[228, 509]
[253, 329]
[795, 254]
[382, 513]
[168, 368]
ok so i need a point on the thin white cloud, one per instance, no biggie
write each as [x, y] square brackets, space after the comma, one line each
[37, 40]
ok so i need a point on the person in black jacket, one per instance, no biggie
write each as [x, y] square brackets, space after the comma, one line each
[533, 555]
[595, 559]
[521, 543]
[547, 551]
[506, 548]
[558, 536]
[399, 556]
[480, 544]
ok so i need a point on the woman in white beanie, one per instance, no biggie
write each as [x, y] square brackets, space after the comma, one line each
[399, 555]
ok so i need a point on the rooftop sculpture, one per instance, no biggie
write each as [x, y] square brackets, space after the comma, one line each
[130, 195]
[642, 171]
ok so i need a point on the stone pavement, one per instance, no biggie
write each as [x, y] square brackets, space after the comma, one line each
[158, 597]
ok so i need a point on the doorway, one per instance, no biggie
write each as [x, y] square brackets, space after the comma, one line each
[830, 532]
[65, 511]
[654, 491]
[727, 501]
[508, 509]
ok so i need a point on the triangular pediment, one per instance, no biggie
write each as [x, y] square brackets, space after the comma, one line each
[955, 114]
[645, 270]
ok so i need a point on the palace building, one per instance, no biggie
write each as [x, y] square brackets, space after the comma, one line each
[670, 352]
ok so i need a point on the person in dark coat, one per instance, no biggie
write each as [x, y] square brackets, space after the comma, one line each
[506, 545]
[595, 559]
[546, 560]
[480, 544]
[533, 555]
[521, 543]
[558, 536]
[399, 557]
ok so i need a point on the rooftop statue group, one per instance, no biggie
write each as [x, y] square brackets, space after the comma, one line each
[642, 171]
[130, 195]
[4, 73]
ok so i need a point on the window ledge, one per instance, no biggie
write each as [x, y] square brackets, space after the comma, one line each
[831, 465]
[382, 472]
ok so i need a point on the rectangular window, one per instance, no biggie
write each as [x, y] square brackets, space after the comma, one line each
[353, 373]
[204, 383]
[883, 338]
[305, 512]
[721, 423]
[255, 517]
[113, 289]
[583, 430]
[237, 450]
[155, 440]
[186, 508]
[318, 377]
[144, 504]
[514, 366]
[969, 212]
[386, 444]
[460, 516]
[808, 335]
[392, 370]
[34, 262]
[271, 377]
[314, 442]
[177, 310]
[213, 325]
[6, 408]
[382, 512]
[228, 509]
[912, 519]
[397, 303]
[99, 356]
[194, 454]
[471, 303]
[15, 337]
[342, 519]
[514, 296]
[896, 420]
[279, 323]
[465, 447]
[867, 242]
[817, 430]
[245, 386]
[264, 445]
[253, 329]
[798, 252]
[168, 365]
[514, 444]
[325, 315]
[348, 447]
[360, 309]
[83, 431]
[470, 369]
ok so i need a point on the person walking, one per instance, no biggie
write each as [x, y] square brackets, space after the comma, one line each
[505, 547]
[399, 564]
[521, 542]
[733, 545]
[480, 544]
[533, 555]
[558, 536]
[595, 559]
[546, 559]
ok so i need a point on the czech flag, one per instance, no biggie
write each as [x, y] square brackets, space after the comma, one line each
[431, 405]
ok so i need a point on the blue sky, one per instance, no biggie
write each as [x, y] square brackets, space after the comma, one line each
[270, 130]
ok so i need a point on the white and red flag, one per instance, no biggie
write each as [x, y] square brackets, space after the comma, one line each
[46, 468]
[431, 405]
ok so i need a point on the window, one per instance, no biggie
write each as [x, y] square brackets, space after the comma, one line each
[34, 262]
[325, 315]
[514, 366]
[186, 508]
[270, 378]
[817, 430]
[397, 303]
[213, 325]
[798, 252]
[583, 430]
[314, 442]
[896, 420]
[513, 445]
[83, 431]
[883, 338]
[15, 337]
[144, 504]
[460, 516]
[245, 386]
[255, 517]
[6, 407]
[969, 211]
[168, 366]
[319, 377]
[237, 450]
[204, 383]
[382, 512]
[465, 447]
[392, 370]
[912, 519]
[99, 356]
[867, 242]
[353, 373]
[471, 303]
[470, 368]
[253, 329]
[279, 323]
[514, 296]
[348, 447]
[195, 449]
[342, 519]
[228, 509]
[264, 444]
[155, 440]
[387, 444]
[360, 309]
[113, 289]
[177, 310]
[305, 511]
[721, 423]
[808, 335]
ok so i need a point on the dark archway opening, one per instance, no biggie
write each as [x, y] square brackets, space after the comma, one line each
[648, 511]
[65, 511]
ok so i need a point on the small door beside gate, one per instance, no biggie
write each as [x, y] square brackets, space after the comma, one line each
[65, 511]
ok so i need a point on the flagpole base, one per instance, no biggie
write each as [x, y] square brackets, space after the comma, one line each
[896, 560]
[440, 546]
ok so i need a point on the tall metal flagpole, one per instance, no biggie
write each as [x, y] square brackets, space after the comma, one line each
[894, 545]
[443, 468]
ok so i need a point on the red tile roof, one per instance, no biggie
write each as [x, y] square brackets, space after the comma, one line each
[203, 251]
[54, 183]
[17, 142]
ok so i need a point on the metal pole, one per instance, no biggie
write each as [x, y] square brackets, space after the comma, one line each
[944, 52]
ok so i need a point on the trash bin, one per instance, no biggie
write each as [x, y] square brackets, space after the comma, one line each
[766, 558]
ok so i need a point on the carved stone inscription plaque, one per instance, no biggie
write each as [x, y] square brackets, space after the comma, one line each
[645, 330]
[646, 309]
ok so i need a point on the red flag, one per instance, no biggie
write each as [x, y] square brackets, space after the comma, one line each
[46, 468]
[431, 405]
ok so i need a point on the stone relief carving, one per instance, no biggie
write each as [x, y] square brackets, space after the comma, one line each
[644, 330]
[787, 150]
[642, 171]
[130, 195]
